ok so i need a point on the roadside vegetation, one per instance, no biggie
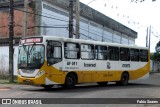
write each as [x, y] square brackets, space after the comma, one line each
[4, 79]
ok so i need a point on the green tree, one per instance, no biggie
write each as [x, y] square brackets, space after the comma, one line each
[156, 55]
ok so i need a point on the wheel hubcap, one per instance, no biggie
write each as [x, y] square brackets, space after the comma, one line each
[70, 81]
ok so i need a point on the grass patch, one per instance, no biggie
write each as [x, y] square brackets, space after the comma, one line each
[5, 80]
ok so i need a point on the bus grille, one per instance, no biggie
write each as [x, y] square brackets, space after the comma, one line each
[28, 71]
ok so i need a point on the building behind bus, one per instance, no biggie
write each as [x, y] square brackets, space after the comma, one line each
[50, 17]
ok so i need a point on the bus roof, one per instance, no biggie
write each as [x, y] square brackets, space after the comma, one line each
[87, 41]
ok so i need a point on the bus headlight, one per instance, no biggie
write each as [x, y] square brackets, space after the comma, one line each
[18, 72]
[40, 73]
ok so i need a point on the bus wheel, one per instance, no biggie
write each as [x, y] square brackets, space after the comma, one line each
[102, 83]
[70, 81]
[124, 79]
[48, 87]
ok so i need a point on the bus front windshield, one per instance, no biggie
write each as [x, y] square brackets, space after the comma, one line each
[31, 56]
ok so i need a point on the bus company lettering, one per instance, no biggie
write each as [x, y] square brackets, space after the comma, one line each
[126, 65]
[89, 65]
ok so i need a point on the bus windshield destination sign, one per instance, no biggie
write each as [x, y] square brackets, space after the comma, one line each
[31, 40]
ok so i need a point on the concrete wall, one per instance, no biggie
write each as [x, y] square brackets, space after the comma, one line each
[154, 66]
[4, 60]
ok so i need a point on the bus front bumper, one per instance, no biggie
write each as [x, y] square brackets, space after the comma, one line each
[32, 81]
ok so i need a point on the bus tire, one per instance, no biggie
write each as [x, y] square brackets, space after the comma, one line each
[70, 81]
[124, 79]
[102, 83]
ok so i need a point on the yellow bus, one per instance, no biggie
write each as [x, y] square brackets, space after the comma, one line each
[51, 60]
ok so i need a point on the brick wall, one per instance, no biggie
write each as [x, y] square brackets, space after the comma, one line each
[18, 23]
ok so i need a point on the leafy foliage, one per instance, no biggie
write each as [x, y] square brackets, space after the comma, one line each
[157, 47]
[156, 55]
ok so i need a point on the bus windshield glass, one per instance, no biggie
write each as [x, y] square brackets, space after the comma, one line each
[31, 56]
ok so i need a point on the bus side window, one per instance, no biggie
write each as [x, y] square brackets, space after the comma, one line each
[134, 54]
[113, 53]
[101, 52]
[87, 51]
[143, 55]
[124, 54]
[71, 51]
[50, 51]
[54, 52]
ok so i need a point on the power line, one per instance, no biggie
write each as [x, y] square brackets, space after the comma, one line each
[44, 12]
[48, 27]
[4, 18]
[95, 34]
[154, 34]
[87, 28]
[55, 16]
[49, 14]
[40, 15]
[8, 26]
[39, 12]
[136, 1]
[154, 31]
[87, 36]
[154, 41]
[55, 26]
[90, 32]
[3, 26]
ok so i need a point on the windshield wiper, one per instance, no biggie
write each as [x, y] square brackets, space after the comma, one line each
[24, 49]
[28, 52]
[31, 49]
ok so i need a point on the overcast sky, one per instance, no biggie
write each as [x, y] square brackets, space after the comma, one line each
[138, 16]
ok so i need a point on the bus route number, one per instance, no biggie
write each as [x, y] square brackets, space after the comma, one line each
[71, 63]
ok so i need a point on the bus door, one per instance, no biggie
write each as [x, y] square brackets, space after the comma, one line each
[54, 54]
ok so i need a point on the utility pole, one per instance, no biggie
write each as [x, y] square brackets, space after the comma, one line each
[70, 18]
[25, 18]
[78, 11]
[77, 18]
[11, 35]
[149, 36]
[103, 34]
